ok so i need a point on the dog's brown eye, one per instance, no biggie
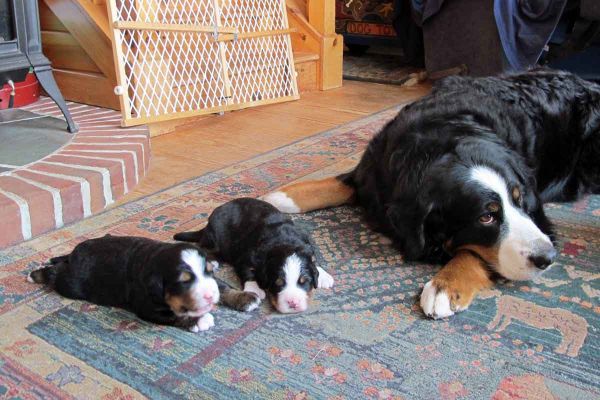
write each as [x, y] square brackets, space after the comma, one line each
[302, 280]
[279, 282]
[487, 219]
[185, 277]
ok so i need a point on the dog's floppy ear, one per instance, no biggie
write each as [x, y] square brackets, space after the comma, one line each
[407, 219]
[589, 112]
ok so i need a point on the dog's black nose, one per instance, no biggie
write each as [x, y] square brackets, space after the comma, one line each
[540, 262]
[543, 259]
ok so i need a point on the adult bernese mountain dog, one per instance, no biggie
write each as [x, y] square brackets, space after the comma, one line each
[460, 177]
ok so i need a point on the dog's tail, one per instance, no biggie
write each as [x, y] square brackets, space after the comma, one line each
[194, 237]
[236, 299]
[47, 274]
[312, 195]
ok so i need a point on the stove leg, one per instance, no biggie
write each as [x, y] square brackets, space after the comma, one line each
[46, 79]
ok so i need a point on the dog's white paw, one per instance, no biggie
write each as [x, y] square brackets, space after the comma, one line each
[325, 280]
[384, 240]
[252, 286]
[435, 303]
[204, 323]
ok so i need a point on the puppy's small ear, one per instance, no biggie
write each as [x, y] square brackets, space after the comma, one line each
[312, 267]
[155, 288]
[315, 274]
[308, 254]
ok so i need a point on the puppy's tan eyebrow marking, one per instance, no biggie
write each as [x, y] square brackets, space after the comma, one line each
[185, 277]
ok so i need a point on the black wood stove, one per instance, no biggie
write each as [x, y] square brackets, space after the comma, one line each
[21, 49]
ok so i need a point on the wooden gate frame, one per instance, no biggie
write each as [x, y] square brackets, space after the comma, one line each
[219, 34]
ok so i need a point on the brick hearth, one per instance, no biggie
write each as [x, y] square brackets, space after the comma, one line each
[99, 165]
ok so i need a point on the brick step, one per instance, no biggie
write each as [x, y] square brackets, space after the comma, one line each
[100, 164]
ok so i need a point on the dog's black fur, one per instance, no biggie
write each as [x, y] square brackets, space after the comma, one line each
[539, 130]
[133, 273]
[256, 239]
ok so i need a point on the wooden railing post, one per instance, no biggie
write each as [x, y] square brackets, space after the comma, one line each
[321, 15]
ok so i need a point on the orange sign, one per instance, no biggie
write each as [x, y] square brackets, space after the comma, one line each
[365, 28]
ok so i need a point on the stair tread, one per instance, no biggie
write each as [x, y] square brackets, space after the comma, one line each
[98, 13]
[302, 56]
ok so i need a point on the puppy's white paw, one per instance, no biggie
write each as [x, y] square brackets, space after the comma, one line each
[253, 305]
[252, 286]
[325, 280]
[244, 301]
[204, 323]
[435, 303]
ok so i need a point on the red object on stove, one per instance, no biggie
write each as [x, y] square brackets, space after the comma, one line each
[26, 92]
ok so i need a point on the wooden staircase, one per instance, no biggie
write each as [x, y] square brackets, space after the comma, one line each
[314, 21]
[76, 38]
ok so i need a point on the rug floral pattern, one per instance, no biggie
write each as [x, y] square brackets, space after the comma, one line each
[365, 338]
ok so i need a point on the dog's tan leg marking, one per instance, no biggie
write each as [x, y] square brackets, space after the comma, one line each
[455, 286]
[311, 195]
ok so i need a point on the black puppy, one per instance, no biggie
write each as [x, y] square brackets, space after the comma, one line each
[165, 283]
[268, 252]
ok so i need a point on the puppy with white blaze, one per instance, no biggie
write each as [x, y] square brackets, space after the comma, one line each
[164, 283]
[460, 178]
[270, 255]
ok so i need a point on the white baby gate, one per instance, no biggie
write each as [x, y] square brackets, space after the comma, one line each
[179, 58]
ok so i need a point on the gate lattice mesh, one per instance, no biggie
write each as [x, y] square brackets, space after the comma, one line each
[179, 58]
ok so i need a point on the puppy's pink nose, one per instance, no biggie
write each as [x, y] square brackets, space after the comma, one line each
[208, 297]
[293, 304]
